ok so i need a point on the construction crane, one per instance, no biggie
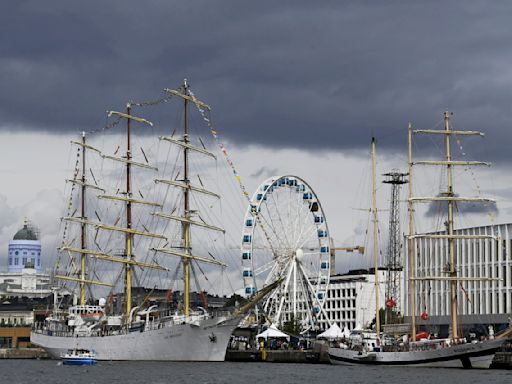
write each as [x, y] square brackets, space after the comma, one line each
[356, 248]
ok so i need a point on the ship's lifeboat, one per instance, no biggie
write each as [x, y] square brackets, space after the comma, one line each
[87, 312]
[422, 335]
[95, 316]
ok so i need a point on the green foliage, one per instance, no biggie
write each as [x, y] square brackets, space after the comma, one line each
[293, 326]
[235, 301]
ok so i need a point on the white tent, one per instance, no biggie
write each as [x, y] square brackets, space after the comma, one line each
[334, 332]
[272, 331]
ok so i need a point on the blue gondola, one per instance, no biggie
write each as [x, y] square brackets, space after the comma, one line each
[247, 273]
[250, 290]
[320, 295]
[324, 249]
[246, 239]
[307, 196]
[319, 219]
[248, 223]
[322, 233]
[246, 256]
[324, 265]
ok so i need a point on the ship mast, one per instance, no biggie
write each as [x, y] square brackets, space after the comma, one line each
[127, 259]
[83, 226]
[410, 240]
[186, 206]
[451, 245]
[184, 251]
[375, 239]
[450, 198]
[129, 235]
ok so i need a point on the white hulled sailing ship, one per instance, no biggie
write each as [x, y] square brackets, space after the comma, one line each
[136, 329]
[376, 348]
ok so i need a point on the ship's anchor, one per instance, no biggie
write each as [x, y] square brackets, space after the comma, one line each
[213, 338]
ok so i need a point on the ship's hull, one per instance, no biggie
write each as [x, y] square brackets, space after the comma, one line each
[205, 340]
[469, 355]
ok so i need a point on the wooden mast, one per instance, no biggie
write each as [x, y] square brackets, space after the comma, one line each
[449, 197]
[186, 207]
[83, 227]
[375, 239]
[410, 240]
[451, 246]
[129, 235]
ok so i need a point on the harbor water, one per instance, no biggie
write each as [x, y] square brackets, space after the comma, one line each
[52, 371]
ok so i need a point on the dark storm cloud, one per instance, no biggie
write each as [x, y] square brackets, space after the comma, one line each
[265, 172]
[293, 74]
[439, 208]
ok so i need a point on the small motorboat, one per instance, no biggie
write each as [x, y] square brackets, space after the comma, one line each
[78, 357]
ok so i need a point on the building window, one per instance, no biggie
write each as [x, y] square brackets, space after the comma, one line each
[16, 253]
[16, 261]
[39, 262]
[24, 261]
[24, 252]
[10, 260]
[33, 253]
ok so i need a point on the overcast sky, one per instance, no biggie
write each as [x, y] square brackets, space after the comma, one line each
[288, 77]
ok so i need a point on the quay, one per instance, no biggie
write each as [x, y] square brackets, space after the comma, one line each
[316, 355]
[23, 353]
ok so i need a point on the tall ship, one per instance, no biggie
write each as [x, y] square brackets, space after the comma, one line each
[123, 233]
[373, 347]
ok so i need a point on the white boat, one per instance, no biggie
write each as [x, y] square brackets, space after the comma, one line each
[454, 351]
[136, 329]
[78, 357]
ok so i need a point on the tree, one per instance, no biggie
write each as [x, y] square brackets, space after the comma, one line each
[293, 326]
[235, 300]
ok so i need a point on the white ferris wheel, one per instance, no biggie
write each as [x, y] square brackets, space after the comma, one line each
[285, 236]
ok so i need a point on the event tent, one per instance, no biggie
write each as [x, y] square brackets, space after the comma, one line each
[334, 332]
[272, 332]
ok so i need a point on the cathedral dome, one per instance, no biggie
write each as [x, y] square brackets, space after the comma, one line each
[26, 233]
